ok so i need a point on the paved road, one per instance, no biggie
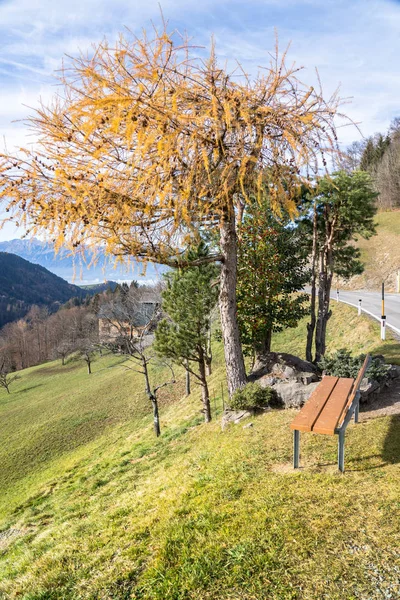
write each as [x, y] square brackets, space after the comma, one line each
[371, 304]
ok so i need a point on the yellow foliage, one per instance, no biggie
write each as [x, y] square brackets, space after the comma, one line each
[158, 143]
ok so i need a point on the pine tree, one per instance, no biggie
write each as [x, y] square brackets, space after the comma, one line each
[382, 144]
[343, 206]
[188, 300]
[368, 157]
[272, 268]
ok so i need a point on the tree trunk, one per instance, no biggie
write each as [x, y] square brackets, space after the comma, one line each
[324, 314]
[324, 289]
[265, 348]
[153, 399]
[208, 357]
[89, 368]
[204, 390]
[235, 369]
[187, 382]
[311, 324]
[327, 316]
[156, 417]
[321, 303]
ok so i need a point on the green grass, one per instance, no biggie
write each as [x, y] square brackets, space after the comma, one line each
[103, 510]
[56, 414]
[380, 254]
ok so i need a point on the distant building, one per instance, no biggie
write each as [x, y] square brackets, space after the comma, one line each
[112, 329]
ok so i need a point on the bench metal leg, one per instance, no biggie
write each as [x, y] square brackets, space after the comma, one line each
[356, 411]
[296, 448]
[341, 451]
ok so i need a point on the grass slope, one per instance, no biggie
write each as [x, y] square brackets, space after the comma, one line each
[380, 254]
[101, 509]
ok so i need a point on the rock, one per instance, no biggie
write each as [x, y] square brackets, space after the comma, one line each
[288, 373]
[248, 426]
[307, 379]
[270, 381]
[394, 372]
[293, 379]
[369, 390]
[379, 358]
[283, 367]
[237, 416]
[294, 394]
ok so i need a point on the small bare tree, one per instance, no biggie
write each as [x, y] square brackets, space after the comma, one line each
[128, 322]
[6, 376]
[86, 351]
[63, 349]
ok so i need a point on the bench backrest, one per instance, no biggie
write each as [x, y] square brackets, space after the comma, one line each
[356, 387]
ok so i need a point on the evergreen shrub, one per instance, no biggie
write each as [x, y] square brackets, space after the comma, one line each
[342, 364]
[253, 396]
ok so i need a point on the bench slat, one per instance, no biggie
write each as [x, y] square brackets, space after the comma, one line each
[330, 415]
[310, 412]
[357, 383]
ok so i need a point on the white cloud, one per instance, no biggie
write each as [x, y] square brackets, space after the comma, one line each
[354, 42]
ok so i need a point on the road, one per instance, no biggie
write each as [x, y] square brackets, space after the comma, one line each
[371, 304]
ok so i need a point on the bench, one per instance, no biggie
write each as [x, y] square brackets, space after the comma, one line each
[329, 410]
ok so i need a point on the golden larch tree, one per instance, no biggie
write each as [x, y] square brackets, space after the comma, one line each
[147, 145]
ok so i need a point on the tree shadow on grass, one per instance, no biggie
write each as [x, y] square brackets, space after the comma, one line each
[30, 387]
[390, 452]
[391, 446]
[391, 352]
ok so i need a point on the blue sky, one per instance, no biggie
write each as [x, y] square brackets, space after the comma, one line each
[354, 43]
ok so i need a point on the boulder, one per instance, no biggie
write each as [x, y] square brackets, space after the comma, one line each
[294, 394]
[293, 379]
[279, 366]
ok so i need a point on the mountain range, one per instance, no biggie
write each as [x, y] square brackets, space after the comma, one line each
[23, 284]
[77, 268]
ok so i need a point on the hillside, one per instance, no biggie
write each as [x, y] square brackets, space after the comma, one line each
[92, 506]
[381, 255]
[23, 284]
[80, 268]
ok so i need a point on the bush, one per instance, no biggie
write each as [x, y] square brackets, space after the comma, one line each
[252, 396]
[342, 364]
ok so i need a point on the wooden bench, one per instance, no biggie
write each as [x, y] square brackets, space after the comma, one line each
[329, 410]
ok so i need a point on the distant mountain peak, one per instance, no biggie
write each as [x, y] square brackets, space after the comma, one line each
[80, 268]
[23, 284]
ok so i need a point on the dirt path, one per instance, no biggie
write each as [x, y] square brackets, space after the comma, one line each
[388, 403]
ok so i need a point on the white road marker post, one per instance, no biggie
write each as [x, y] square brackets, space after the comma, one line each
[337, 295]
[383, 328]
[359, 307]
